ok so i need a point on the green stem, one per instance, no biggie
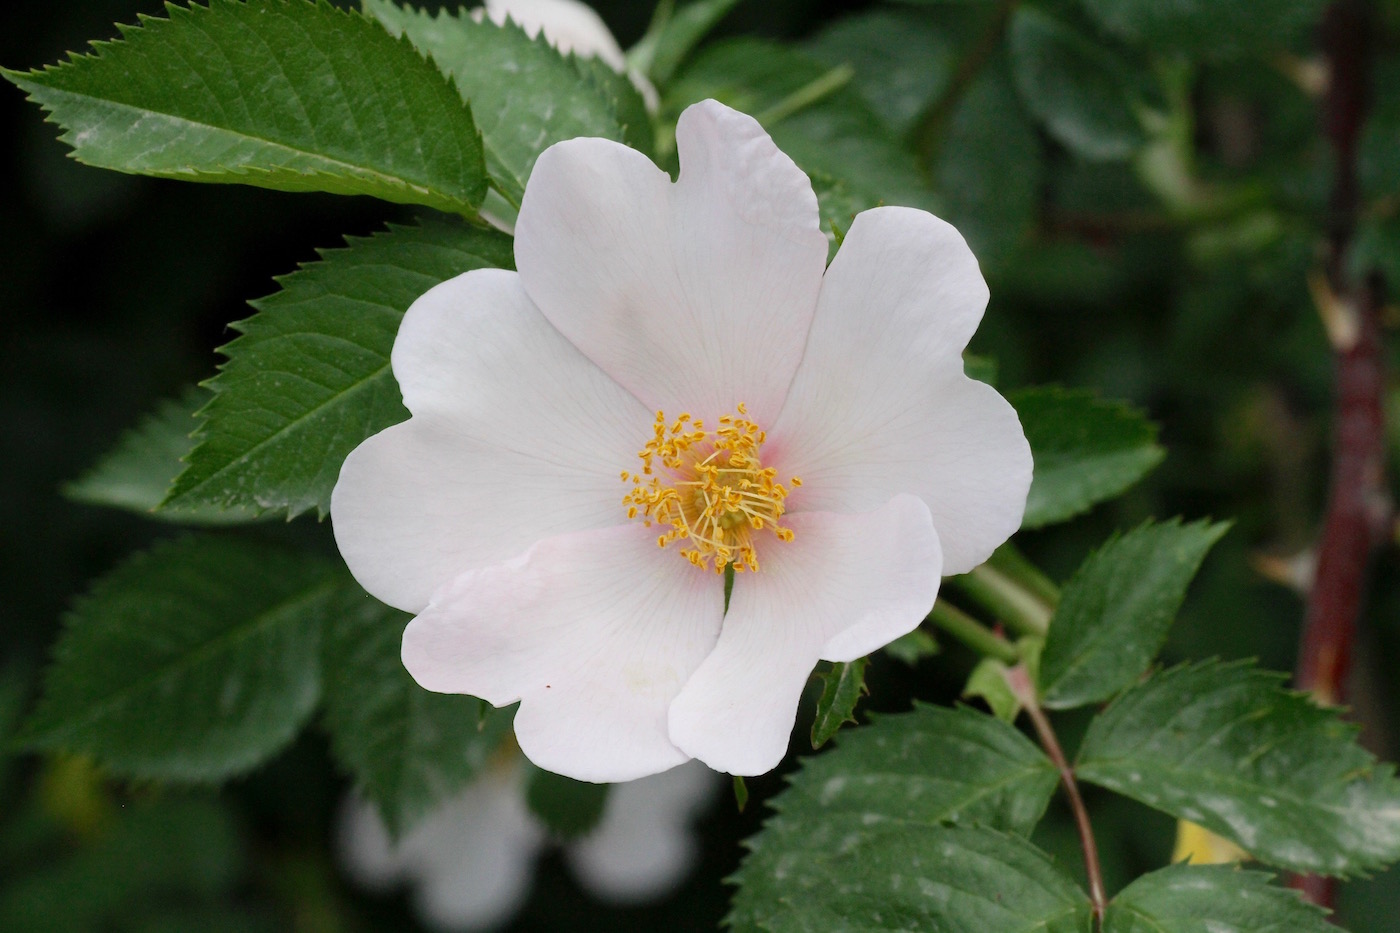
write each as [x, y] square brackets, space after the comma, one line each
[972, 633]
[807, 95]
[1010, 561]
[996, 592]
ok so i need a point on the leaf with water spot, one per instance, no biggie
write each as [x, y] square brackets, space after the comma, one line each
[1226, 746]
[890, 786]
[1209, 899]
[859, 875]
[1114, 613]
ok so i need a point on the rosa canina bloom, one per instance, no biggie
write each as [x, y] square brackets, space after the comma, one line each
[674, 380]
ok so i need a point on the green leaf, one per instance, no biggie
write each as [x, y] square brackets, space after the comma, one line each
[309, 378]
[913, 647]
[666, 45]
[177, 848]
[569, 808]
[625, 102]
[903, 60]
[1086, 450]
[1225, 746]
[196, 660]
[136, 475]
[864, 875]
[842, 687]
[1210, 898]
[889, 787]
[988, 682]
[407, 748]
[283, 94]
[836, 135]
[1077, 88]
[988, 168]
[524, 95]
[1114, 613]
[1208, 28]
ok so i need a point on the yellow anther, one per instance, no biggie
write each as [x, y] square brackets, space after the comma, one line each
[711, 489]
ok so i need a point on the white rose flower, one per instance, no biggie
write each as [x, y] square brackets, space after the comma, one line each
[672, 382]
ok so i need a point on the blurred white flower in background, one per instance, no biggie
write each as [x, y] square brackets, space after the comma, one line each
[471, 862]
[567, 25]
[574, 27]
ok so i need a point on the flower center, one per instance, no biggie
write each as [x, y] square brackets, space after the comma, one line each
[708, 487]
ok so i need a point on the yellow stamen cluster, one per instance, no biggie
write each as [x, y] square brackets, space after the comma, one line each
[708, 487]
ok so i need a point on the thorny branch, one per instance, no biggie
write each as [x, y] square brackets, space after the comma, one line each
[1358, 509]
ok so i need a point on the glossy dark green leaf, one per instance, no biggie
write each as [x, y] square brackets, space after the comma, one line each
[1225, 746]
[567, 807]
[1209, 28]
[407, 748]
[137, 474]
[858, 875]
[843, 684]
[284, 94]
[1209, 899]
[1078, 89]
[308, 378]
[1086, 450]
[1115, 611]
[523, 94]
[858, 840]
[193, 661]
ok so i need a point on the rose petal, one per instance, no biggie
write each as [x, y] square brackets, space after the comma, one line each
[694, 296]
[845, 582]
[880, 405]
[594, 633]
[516, 437]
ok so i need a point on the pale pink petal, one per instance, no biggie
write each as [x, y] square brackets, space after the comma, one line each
[516, 436]
[857, 580]
[696, 295]
[645, 845]
[594, 633]
[880, 405]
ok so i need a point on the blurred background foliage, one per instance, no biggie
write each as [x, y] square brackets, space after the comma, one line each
[1147, 205]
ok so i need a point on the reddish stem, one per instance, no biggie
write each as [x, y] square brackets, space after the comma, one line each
[1358, 508]
[1020, 682]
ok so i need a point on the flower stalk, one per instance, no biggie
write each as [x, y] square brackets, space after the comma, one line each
[972, 633]
[1019, 680]
[1007, 599]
